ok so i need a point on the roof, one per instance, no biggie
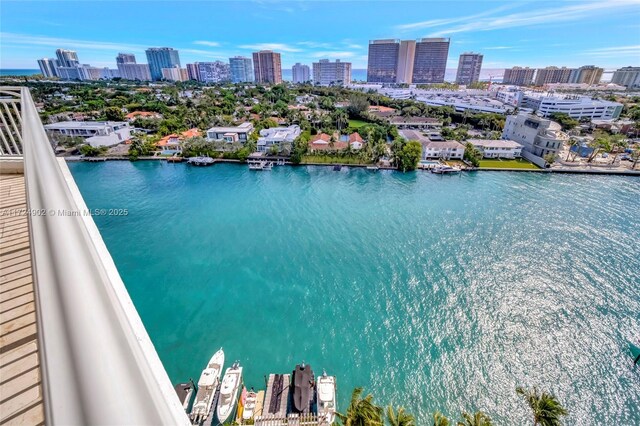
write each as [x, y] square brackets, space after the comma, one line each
[443, 145]
[322, 142]
[355, 137]
[191, 133]
[135, 114]
[244, 127]
[84, 124]
[495, 143]
[416, 120]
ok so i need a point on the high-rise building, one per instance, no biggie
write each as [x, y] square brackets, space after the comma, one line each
[406, 56]
[48, 67]
[551, 75]
[212, 72]
[192, 72]
[130, 70]
[627, 76]
[300, 73]
[161, 57]
[67, 58]
[518, 76]
[267, 67]
[469, 66]
[175, 73]
[68, 73]
[326, 73]
[587, 74]
[430, 61]
[241, 69]
[382, 66]
[126, 58]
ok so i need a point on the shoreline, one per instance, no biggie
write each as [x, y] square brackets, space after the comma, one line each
[288, 163]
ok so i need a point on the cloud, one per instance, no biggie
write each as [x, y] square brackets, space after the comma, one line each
[538, 17]
[315, 44]
[333, 54]
[497, 48]
[207, 43]
[270, 46]
[632, 51]
[66, 43]
[446, 21]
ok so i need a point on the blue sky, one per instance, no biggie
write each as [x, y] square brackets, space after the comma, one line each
[508, 33]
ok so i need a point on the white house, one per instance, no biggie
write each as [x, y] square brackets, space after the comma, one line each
[96, 133]
[447, 150]
[276, 136]
[497, 148]
[231, 134]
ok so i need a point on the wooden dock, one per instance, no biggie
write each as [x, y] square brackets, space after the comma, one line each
[20, 379]
[277, 396]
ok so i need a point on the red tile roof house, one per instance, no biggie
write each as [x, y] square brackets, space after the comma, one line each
[172, 144]
[322, 142]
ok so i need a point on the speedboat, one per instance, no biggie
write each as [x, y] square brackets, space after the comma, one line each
[200, 161]
[207, 385]
[326, 388]
[185, 393]
[249, 410]
[302, 384]
[229, 392]
[444, 169]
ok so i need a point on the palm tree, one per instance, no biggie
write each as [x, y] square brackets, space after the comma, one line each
[546, 408]
[399, 417]
[440, 419]
[361, 411]
[478, 419]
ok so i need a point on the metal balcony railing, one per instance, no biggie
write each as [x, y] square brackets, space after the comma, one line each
[98, 364]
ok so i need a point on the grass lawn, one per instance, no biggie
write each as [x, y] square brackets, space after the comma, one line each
[518, 163]
[326, 159]
[357, 123]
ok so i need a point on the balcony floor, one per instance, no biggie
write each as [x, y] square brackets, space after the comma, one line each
[20, 385]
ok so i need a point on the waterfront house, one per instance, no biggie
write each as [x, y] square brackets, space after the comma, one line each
[277, 136]
[231, 134]
[448, 150]
[172, 144]
[323, 142]
[500, 148]
[96, 133]
[537, 135]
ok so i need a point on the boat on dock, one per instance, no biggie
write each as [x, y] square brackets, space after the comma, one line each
[250, 405]
[228, 394]
[185, 393]
[207, 385]
[261, 165]
[302, 384]
[326, 390]
[445, 170]
[200, 161]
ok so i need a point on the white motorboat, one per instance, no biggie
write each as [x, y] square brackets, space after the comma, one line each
[326, 391]
[200, 161]
[249, 406]
[260, 165]
[444, 169]
[228, 395]
[207, 385]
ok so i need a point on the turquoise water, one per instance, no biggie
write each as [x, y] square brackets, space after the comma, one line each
[433, 292]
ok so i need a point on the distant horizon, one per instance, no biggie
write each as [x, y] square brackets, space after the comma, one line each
[565, 33]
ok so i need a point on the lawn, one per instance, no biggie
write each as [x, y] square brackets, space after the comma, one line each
[327, 159]
[518, 163]
[357, 123]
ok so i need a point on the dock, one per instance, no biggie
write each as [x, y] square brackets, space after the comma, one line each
[277, 397]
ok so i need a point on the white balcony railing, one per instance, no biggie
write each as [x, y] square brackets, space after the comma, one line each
[98, 364]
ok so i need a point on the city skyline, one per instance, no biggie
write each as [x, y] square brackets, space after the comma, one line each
[535, 35]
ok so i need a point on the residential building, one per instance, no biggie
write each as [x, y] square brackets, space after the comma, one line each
[430, 61]
[327, 73]
[126, 58]
[434, 149]
[406, 57]
[267, 67]
[578, 107]
[415, 122]
[231, 134]
[68, 73]
[300, 73]
[323, 142]
[462, 102]
[130, 70]
[241, 69]
[48, 67]
[627, 76]
[172, 144]
[277, 136]
[382, 66]
[192, 72]
[518, 76]
[497, 148]
[175, 74]
[212, 72]
[552, 75]
[67, 58]
[587, 74]
[132, 116]
[469, 66]
[159, 58]
[96, 133]
[537, 135]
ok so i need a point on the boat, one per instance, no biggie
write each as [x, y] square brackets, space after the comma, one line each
[302, 384]
[241, 405]
[207, 385]
[185, 394]
[635, 353]
[260, 165]
[444, 169]
[326, 390]
[373, 168]
[200, 161]
[228, 392]
[250, 402]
